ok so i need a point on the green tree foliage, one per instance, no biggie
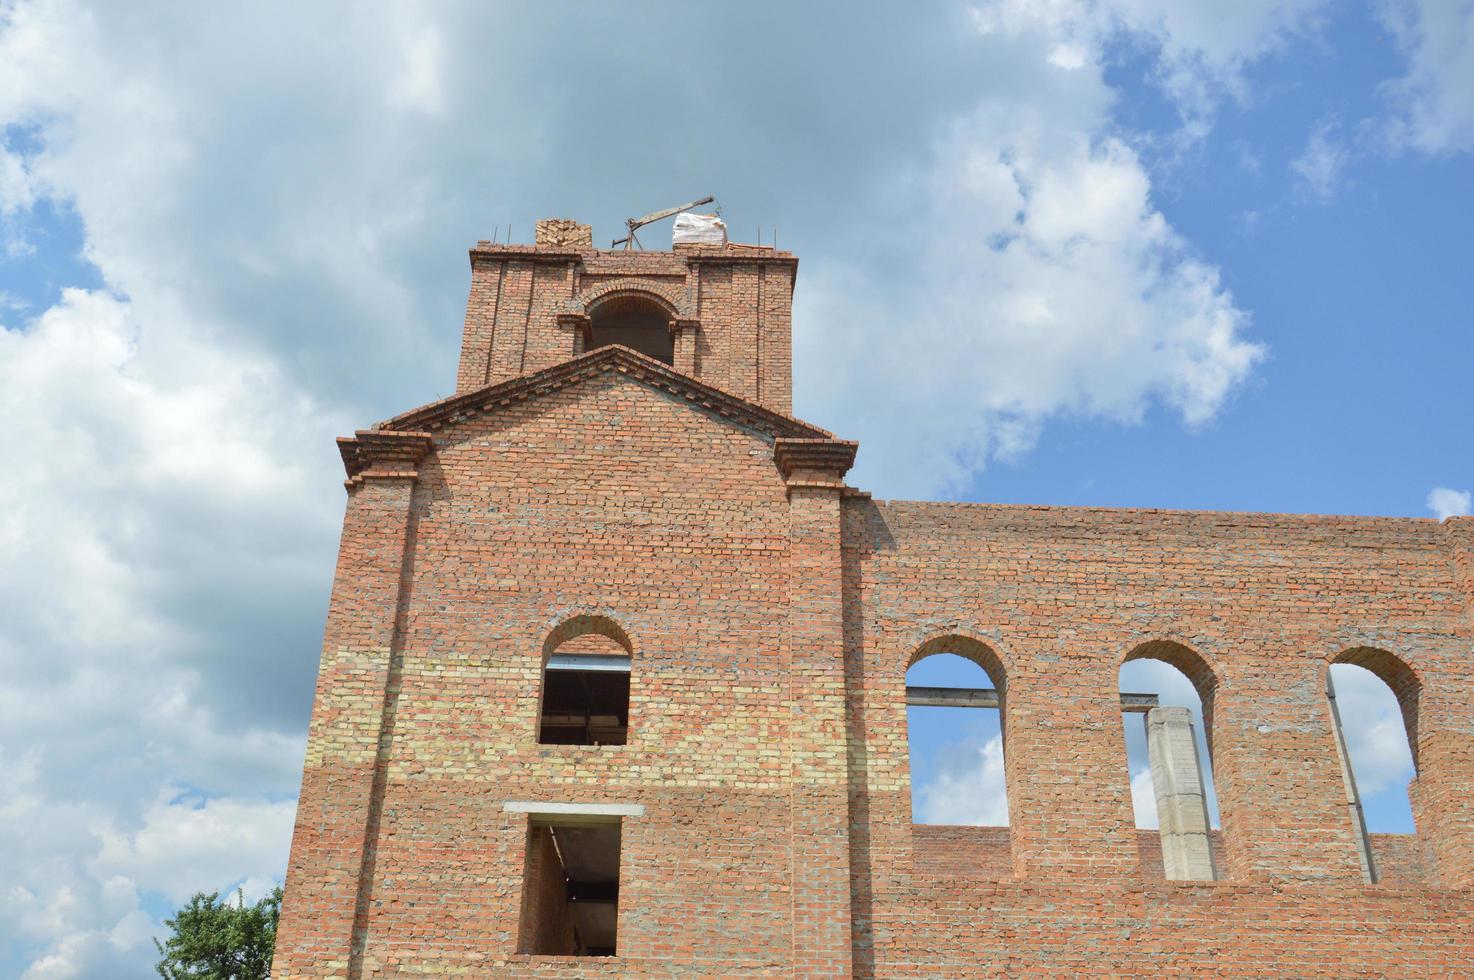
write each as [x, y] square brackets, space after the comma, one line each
[214, 940]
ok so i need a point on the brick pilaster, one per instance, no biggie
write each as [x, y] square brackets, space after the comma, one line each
[331, 837]
[1059, 732]
[1443, 792]
[1278, 775]
[683, 332]
[480, 326]
[819, 794]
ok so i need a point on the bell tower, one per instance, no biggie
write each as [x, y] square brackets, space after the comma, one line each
[718, 313]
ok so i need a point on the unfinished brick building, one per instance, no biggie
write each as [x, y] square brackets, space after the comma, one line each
[614, 685]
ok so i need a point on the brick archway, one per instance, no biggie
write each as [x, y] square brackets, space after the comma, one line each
[674, 300]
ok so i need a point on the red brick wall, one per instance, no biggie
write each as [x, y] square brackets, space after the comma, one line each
[739, 298]
[546, 926]
[981, 854]
[605, 498]
[946, 851]
[1062, 595]
[771, 618]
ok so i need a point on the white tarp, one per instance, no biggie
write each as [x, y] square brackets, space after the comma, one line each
[699, 229]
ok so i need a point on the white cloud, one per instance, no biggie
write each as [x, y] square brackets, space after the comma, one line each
[149, 499]
[1446, 502]
[968, 787]
[188, 843]
[1376, 739]
[1043, 280]
[1144, 800]
[16, 192]
[1320, 167]
[1051, 286]
[1435, 98]
[418, 85]
[1202, 49]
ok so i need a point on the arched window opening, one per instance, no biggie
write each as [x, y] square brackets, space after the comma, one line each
[585, 684]
[954, 715]
[1374, 705]
[1166, 708]
[637, 322]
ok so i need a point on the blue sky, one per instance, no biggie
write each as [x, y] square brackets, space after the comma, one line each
[1151, 253]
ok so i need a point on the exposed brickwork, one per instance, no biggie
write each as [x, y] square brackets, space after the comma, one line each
[563, 233]
[547, 920]
[982, 854]
[771, 613]
[1062, 596]
[731, 308]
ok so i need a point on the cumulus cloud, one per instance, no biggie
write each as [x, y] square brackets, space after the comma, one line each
[125, 539]
[1445, 502]
[87, 919]
[187, 839]
[1435, 97]
[1322, 164]
[16, 193]
[968, 787]
[1144, 800]
[1201, 49]
[1376, 739]
[1050, 286]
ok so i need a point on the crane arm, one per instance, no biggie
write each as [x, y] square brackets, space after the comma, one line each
[657, 215]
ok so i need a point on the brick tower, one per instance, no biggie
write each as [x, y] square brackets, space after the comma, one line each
[613, 684]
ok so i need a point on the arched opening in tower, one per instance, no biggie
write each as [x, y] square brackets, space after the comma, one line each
[635, 321]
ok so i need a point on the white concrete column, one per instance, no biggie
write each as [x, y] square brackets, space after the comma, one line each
[1182, 805]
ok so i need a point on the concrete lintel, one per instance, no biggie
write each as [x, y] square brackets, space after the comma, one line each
[977, 697]
[605, 662]
[574, 810]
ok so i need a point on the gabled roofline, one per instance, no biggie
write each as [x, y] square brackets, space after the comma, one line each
[616, 358]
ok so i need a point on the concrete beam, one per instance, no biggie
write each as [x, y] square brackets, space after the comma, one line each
[969, 697]
[573, 814]
[590, 661]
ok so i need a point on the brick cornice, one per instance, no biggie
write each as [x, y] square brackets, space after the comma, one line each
[611, 359]
[372, 454]
[523, 253]
[814, 462]
[718, 256]
[580, 322]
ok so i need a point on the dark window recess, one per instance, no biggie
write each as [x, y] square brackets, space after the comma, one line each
[570, 897]
[635, 322]
[586, 700]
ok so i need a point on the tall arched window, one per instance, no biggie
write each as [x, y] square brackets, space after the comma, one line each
[954, 714]
[635, 320]
[1168, 760]
[586, 684]
[1374, 704]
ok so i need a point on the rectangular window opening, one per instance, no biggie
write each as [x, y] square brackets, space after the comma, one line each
[585, 700]
[570, 886]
